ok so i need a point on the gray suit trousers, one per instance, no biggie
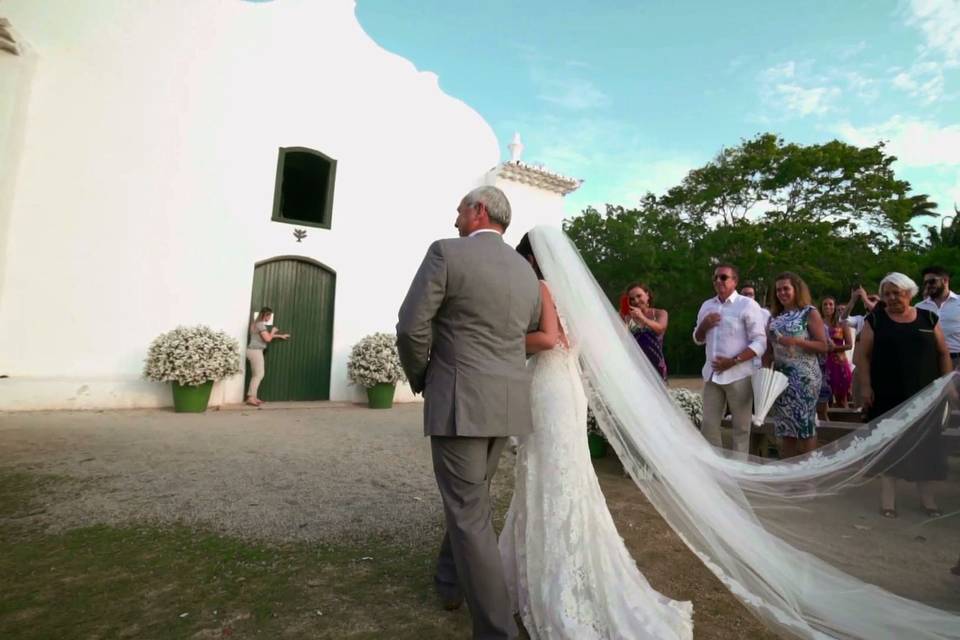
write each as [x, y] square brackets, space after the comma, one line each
[469, 557]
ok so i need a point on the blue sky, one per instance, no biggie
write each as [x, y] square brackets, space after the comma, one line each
[630, 95]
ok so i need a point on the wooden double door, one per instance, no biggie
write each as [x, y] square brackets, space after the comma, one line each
[301, 293]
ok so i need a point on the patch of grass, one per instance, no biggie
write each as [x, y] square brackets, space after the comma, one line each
[19, 493]
[138, 582]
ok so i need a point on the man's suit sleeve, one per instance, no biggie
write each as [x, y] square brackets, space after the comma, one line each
[415, 324]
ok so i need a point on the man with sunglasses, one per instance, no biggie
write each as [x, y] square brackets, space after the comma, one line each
[945, 303]
[732, 328]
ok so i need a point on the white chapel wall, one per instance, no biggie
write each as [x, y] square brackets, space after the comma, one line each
[16, 73]
[530, 206]
[147, 172]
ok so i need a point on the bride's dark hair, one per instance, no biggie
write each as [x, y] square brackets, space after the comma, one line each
[526, 250]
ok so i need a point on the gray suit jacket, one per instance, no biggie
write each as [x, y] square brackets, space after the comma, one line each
[461, 337]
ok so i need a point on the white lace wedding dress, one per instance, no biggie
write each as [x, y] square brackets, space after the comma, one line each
[568, 571]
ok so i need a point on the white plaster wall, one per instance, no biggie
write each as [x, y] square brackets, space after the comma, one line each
[16, 72]
[530, 206]
[147, 176]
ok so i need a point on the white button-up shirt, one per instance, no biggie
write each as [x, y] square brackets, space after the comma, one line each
[741, 326]
[856, 323]
[949, 313]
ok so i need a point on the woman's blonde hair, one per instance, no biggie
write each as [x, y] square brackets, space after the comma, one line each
[801, 292]
[264, 311]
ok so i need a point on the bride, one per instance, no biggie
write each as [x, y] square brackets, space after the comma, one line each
[568, 571]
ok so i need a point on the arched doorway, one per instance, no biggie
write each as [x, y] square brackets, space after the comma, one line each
[301, 292]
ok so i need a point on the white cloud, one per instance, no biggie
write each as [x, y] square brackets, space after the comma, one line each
[572, 93]
[805, 101]
[927, 154]
[562, 83]
[781, 72]
[939, 21]
[788, 90]
[852, 51]
[864, 87]
[916, 143]
[924, 81]
[904, 81]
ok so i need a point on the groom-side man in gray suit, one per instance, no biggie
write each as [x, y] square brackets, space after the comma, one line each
[461, 341]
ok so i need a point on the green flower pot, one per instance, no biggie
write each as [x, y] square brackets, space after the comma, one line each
[597, 444]
[191, 399]
[380, 396]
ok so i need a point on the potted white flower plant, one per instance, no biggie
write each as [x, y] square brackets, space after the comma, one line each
[690, 402]
[192, 358]
[595, 438]
[375, 365]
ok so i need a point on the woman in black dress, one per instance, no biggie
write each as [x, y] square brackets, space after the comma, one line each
[901, 351]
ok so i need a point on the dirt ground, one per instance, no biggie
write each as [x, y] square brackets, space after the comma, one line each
[317, 474]
[342, 473]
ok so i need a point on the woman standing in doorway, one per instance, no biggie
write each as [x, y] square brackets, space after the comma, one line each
[260, 337]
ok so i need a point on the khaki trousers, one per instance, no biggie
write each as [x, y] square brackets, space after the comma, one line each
[738, 396]
[255, 356]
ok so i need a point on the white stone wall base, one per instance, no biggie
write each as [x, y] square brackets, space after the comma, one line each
[83, 393]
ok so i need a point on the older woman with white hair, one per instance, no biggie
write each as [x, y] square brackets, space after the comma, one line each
[902, 350]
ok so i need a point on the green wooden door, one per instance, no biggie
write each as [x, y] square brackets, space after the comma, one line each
[300, 291]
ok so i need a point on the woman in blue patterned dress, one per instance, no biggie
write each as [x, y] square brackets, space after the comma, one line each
[797, 335]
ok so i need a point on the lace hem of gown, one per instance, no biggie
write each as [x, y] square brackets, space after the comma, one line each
[569, 573]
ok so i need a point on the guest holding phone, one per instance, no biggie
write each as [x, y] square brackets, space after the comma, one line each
[647, 324]
[260, 337]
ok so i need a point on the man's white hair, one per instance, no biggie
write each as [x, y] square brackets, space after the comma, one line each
[900, 281]
[495, 202]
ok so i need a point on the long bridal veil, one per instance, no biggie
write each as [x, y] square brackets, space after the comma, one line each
[800, 542]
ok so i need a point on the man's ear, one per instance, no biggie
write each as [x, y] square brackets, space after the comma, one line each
[482, 208]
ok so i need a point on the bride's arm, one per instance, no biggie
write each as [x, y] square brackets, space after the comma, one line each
[548, 335]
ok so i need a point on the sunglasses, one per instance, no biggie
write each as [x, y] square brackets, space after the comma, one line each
[931, 280]
[722, 277]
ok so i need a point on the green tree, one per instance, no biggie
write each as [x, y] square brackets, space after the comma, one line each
[832, 212]
[834, 182]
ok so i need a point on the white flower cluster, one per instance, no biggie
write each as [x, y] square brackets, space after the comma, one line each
[374, 360]
[192, 356]
[593, 428]
[690, 403]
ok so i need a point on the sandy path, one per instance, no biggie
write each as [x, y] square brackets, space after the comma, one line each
[302, 474]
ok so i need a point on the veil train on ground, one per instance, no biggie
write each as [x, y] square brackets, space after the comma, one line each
[800, 542]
